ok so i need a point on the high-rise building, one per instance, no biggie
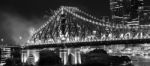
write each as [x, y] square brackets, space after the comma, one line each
[124, 11]
[144, 15]
[10, 53]
[136, 5]
[5, 54]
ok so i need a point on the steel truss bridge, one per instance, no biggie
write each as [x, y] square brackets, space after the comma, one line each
[70, 26]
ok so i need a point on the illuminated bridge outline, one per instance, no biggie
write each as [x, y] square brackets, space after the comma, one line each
[128, 35]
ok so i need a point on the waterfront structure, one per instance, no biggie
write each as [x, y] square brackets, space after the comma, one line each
[5, 54]
[10, 52]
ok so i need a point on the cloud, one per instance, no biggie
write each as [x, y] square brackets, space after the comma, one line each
[18, 27]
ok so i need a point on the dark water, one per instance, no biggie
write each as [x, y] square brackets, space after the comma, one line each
[140, 61]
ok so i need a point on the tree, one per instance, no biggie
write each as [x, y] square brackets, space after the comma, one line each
[9, 62]
[48, 57]
[96, 57]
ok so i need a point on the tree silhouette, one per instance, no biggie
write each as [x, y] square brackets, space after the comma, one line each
[48, 57]
[96, 57]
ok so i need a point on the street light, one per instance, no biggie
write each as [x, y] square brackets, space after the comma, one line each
[20, 37]
[2, 40]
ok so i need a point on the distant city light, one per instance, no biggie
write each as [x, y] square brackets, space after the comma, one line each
[2, 39]
[32, 31]
[20, 37]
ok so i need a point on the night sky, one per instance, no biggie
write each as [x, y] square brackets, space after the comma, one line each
[38, 7]
[18, 16]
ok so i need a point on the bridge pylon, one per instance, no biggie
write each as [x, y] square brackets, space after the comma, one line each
[70, 56]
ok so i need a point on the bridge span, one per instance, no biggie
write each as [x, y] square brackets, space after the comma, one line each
[70, 28]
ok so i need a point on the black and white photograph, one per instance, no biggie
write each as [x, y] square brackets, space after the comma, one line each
[74, 32]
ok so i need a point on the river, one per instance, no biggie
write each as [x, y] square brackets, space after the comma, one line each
[141, 61]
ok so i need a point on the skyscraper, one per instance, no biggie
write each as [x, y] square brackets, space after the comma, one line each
[124, 11]
[144, 15]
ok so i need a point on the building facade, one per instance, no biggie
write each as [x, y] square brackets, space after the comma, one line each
[125, 11]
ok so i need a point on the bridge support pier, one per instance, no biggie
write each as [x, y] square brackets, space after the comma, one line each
[70, 56]
[30, 55]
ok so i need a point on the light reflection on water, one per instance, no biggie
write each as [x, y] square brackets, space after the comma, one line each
[141, 61]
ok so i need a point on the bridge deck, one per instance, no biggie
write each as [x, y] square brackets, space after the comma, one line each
[94, 43]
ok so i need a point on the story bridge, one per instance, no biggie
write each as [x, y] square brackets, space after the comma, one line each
[71, 28]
